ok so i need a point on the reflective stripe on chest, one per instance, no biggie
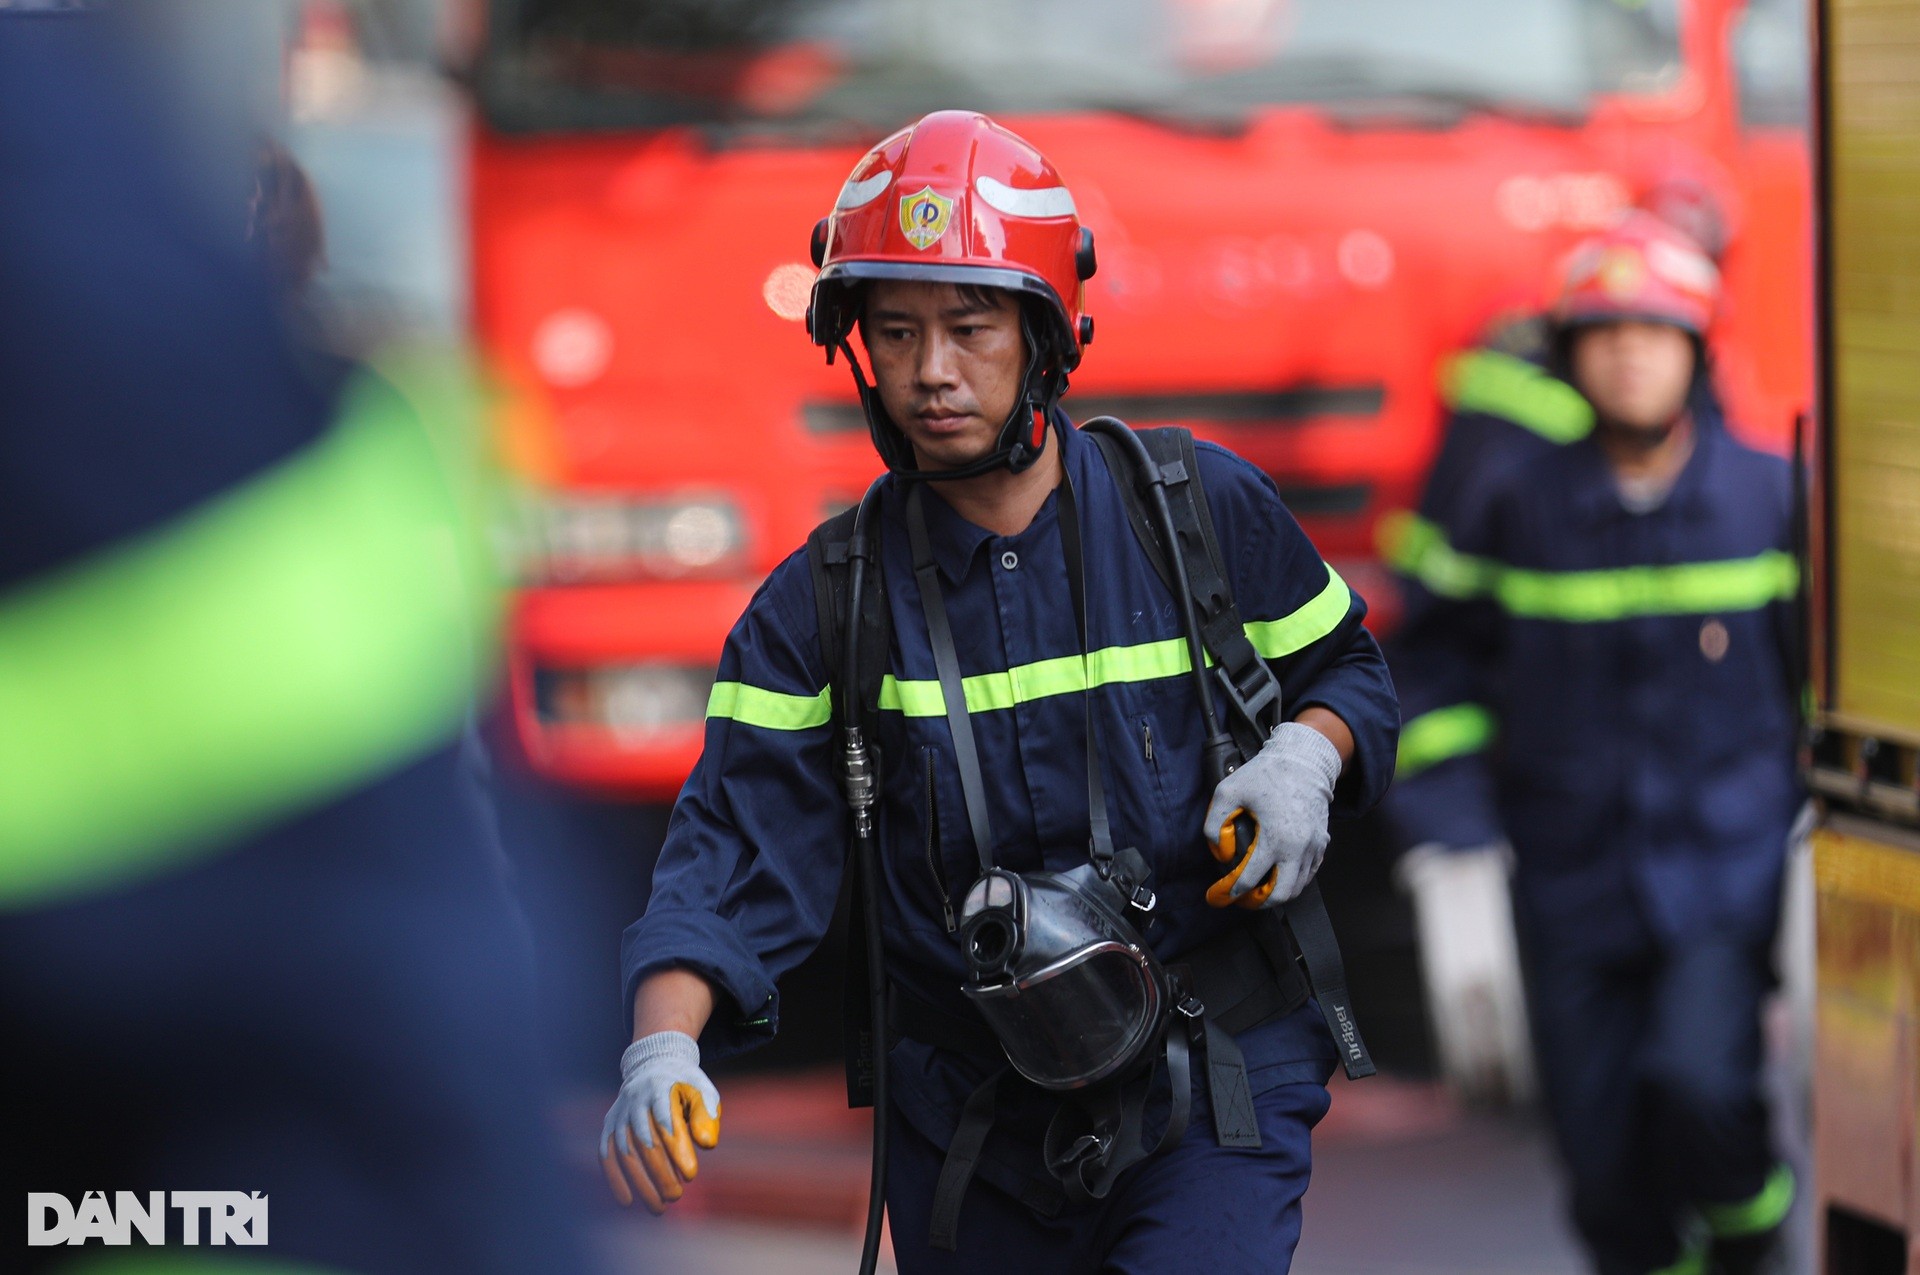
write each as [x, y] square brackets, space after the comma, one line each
[1041, 679]
[1419, 548]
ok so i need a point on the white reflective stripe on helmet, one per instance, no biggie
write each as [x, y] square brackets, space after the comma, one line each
[857, 194]
[1049, 201]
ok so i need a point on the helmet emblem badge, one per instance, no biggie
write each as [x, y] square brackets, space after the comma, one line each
[1622, 274]
[924, 217]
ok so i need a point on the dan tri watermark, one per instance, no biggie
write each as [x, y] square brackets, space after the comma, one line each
[224, 1217]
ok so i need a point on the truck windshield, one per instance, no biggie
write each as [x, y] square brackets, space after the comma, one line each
[854, 66]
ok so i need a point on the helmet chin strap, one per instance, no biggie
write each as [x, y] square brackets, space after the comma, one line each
[1022, 437]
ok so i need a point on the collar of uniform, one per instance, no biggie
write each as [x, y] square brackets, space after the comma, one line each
[955, 541]
[1597, 499]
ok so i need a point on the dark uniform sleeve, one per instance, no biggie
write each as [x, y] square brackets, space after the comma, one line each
[136, 331]
[1444, 659]
[750, 869]
[1305, 621]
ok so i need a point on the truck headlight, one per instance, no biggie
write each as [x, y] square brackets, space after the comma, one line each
[588, 539]
[634, 701]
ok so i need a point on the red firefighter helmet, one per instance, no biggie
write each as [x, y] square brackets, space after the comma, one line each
[1641, 268]
[955, 198]
[1694, 194]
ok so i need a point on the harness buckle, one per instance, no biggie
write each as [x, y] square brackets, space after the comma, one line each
[1253, 699]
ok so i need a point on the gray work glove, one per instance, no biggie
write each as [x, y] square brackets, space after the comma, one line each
[1470, 960]
[666, 1107]
[1287, 789]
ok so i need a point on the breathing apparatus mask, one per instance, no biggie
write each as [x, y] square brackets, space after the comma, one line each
[1061, 973]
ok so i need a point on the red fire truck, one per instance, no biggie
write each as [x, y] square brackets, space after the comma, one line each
[1302, 206]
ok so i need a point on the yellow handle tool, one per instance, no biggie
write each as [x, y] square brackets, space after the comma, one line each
[1239, 831]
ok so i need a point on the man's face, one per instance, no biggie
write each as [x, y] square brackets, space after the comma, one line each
[948, 368]
[1635, 374]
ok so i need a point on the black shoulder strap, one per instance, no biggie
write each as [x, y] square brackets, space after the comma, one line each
[827, 561]
[1251, 688]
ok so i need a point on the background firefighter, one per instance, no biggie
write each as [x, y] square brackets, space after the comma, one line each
[1618, 611]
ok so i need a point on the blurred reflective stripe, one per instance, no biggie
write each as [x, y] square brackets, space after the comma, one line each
[267, 651]
[1444, 733]
[1417, 547]
[1737, 584]
[1513, 389]
[771, 709]
[1692, 1259]
[1113, 665]
[175, 1263]
[1763, 1212]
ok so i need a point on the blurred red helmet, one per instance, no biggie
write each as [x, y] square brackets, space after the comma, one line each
[955, 198]
[1689, 203]
[1642, 268]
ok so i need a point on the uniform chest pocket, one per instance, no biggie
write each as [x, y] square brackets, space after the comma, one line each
[1151, 808]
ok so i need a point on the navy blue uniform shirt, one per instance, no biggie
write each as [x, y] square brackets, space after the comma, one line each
[751, 866]
[1639, 667]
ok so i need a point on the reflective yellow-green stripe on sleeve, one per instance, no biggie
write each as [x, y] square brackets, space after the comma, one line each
[175, 1263]
[272, 648]
[1418, 547]
[1765, 1211]
[1441, 735]
[1302, 628]
[1687, 588]
[1513, 389]
[774, 710]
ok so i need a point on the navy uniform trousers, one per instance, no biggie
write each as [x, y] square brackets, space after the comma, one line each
[1239, 1208]
[1650, 1052]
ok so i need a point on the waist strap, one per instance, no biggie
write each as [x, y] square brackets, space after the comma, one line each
[915, 1019]
[1243, 978]
[1246, 977]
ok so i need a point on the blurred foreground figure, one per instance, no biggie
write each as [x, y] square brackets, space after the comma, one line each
[1615, 617]
[252, 939]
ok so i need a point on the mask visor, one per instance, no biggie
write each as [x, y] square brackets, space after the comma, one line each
[1075, 1021]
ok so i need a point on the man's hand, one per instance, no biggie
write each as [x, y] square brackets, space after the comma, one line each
[1284, 792]
[666, 1107]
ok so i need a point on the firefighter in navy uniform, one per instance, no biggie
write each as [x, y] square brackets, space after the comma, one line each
[1507, 402]
[956, 250]
[1629, 642]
